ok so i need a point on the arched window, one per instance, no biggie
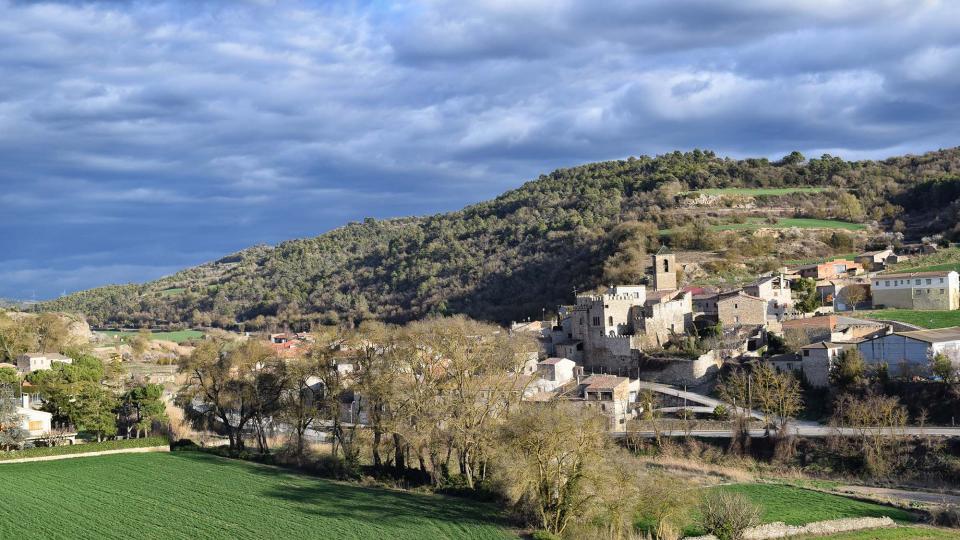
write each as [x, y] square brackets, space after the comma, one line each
[610, 318]
[666, 265]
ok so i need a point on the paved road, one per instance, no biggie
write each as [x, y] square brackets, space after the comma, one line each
[800, 430]
[703, 400]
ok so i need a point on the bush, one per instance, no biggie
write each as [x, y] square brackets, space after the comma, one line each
[544, 535]
[948, 516]
[720, 412]
[727, 515]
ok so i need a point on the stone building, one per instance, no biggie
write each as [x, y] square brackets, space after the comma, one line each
[738, 308]
[664, 270]
[776, 291]
[917, 290]
[611, 396]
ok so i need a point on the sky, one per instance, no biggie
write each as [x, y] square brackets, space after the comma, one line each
[140, 138]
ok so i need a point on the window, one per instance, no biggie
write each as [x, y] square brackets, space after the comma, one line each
[610, 318]
[806, 352]
[917, 282]
[735, 306]
[596, 321]
[666, 265]
[942, 291]
[35, 425]
[941, 280]
[929, 281]
[885, 283]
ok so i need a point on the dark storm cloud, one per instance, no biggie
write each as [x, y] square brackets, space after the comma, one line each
[140, 137]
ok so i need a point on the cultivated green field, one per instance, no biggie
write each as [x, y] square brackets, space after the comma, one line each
[198, 496]
[756, 192]
[899, 533]
[178, 336]
[46, 451]
[925, 319]
[798, 506]
[754, 223]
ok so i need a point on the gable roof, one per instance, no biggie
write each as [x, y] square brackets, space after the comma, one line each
[938, 335]
[596, 383]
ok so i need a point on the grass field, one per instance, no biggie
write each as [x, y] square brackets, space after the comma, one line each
[925, 319]
[178, 336]
[945, 259]
[754, 223]
[755, 192]
[45, 451]
[797, 506]
[198, 496]
[899, 533]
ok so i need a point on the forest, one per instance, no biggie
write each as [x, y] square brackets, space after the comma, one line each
[525, 251]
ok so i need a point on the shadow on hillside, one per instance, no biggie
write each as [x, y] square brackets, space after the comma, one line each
[341, 500]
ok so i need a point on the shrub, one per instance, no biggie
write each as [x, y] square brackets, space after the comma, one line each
[727, 515]
[948, 516]
[720, 412]
[544, 535]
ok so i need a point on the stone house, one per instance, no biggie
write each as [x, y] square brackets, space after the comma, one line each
[738, 308]
[834, 269]
[776, 291]
[611, 396]
[818, 359]
[875, 261]
[917, 290]
[30, 362]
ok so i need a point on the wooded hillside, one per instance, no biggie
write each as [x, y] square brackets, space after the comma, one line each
[508, 258]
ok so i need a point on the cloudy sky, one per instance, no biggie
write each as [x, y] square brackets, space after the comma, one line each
[138, 138]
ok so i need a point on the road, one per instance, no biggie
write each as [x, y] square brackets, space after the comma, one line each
[702, 400]
[800, 430]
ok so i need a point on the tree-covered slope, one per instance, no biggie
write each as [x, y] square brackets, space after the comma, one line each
[509, 257]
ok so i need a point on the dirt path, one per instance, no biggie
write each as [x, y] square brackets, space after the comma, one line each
[925, 497]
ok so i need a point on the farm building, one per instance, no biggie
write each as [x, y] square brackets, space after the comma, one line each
[836, 269]
[910, 352]
[917, 290]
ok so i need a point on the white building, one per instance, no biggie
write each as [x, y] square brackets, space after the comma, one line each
[30, 362]
[908, 353]
[917, 290]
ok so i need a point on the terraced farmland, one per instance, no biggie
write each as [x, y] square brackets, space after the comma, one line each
[198, 496]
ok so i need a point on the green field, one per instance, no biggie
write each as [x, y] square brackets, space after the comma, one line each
[45, 451]
[173, 291]
[178, 336]
[925, 319]
[798, 506]
[195, 495]
[754, 223]
[899, 533]
[755, 192]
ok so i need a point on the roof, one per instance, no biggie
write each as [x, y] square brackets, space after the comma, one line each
[823, 321]
[664, 250]
[941, 273]
[740, 293]
[51, 356]
[553, 361]
[822, 345]
[938, 335]
[597, 383]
